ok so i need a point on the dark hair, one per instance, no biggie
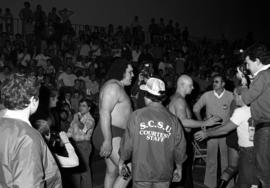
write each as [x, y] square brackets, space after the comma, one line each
[17, 91]
[156, 98]
[259, 51]
[219, 76]
[42, 127]
[88, 102]
[117, 69]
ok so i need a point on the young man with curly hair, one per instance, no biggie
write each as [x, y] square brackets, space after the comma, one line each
[25, 158]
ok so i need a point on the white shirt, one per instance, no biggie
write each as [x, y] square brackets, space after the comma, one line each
[68, 79]
[219, 96]
[70, 161]
[41, 60]
[15, 114]
[240, 118]
[262, 69]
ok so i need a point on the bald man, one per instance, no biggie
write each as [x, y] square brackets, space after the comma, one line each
[179, 107]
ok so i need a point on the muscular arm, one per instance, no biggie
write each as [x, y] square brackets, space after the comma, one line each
[222, 130]
[180, 107]
[108, 99]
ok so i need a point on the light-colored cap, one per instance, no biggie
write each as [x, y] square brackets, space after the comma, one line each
[153, 86]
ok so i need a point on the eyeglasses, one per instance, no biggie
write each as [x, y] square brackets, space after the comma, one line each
[216, 81]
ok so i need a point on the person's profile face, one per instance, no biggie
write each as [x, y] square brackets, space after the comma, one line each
[189, 87]
[251, 65]
[34, 105]
[53, 101]
[128, 75]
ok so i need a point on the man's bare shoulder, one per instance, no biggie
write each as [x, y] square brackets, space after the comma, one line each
[111, 86]
[178, 100]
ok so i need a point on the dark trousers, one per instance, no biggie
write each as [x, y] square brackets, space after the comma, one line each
[262, 155]
[81, 176]
[247, 176]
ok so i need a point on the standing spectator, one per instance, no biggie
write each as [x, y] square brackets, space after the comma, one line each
[8, 17]
[65, 14]
[81, 130]
[40, 20]
[257, 59]
[240, 121]
[43, 126]
[53, 18]
[185, 34]
[27, 17]
[153, 30]
[154, 141]
[217, 102]
[25, 158]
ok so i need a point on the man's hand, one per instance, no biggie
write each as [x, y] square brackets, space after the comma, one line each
[241, 77]
[177, 175]
[106, 149]
[200, 135]
[124, 170]
[214, 120]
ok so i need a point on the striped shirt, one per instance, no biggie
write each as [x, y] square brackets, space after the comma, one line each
[81, 129]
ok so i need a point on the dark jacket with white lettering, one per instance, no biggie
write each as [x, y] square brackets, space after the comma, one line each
[155, 141]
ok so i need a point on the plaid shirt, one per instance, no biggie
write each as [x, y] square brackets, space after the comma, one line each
[81, 129]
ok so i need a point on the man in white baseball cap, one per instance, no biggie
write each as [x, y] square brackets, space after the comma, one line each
[154, 141]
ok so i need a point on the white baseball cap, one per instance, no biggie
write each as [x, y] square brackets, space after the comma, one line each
[153, 86]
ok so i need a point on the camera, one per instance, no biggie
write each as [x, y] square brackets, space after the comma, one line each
[243, 69]
[55, 139]
[146, 71]
[125, 172]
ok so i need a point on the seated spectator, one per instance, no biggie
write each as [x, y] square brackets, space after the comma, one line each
[75, 99]
[92, 85]
[67, 78]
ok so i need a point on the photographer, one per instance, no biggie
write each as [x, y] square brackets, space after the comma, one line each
[56, 143]
[257, 59]
[146, 71]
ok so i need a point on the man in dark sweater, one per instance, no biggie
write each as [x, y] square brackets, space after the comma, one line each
[257, 59]
[154, 141]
